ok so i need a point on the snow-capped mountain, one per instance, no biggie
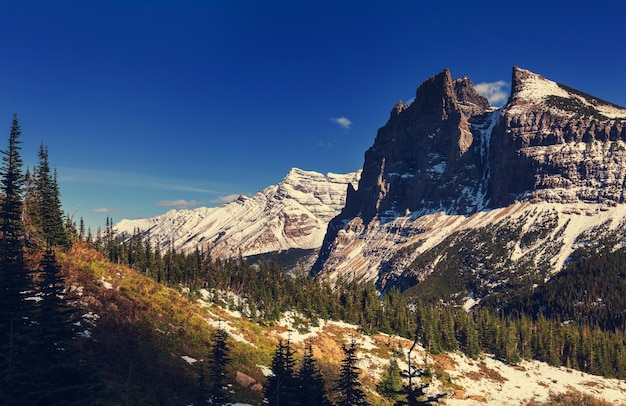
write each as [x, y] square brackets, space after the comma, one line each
[291, 214]
[476, 198]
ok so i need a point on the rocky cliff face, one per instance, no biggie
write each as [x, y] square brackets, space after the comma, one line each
[427, 156]
[291, 214]
[450, 157]
[554, 143]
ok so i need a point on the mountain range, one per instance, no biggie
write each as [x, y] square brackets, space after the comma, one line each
[289, 216]
[456, 198]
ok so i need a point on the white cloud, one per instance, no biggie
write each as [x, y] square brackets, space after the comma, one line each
[495, 92]
[225, 199]
[102, 210]
[322, 144]
[181, 203]
[342, 121]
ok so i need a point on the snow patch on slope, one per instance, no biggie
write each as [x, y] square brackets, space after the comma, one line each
[536, 88]
[361, 255]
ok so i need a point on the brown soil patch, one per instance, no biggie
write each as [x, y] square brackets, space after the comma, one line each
[326, 347]
[485, 372]
[445, 362]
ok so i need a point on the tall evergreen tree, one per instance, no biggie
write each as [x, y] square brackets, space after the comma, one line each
[61, 377]
[390, 385]
[349, 386]
[15, 282]
[416, 394]
[282, 385]
[12, 187]
[46, 211]
[219, 359]
[311, 384]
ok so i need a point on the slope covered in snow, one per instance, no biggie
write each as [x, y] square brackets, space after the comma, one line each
[536, 90]
[464, 381]
[291, 214]
[488, 248]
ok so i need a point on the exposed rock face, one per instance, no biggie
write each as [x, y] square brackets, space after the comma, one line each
[450, 155]
[426, 155]
[555, 143]
[292, 214]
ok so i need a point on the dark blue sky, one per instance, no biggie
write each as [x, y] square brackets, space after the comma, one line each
[151, 105]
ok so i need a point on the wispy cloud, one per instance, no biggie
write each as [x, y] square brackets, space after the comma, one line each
[102, 210]
[180, 203]
[495, 92]
[323, 144]
[342, 122]
[226, 199]
[128, 179]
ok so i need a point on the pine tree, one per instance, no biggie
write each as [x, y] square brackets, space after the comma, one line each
[282, 385]
[15, 283]
[312, 391]
[349, 386]
[219, 359]
[44, 204]
[416, 395]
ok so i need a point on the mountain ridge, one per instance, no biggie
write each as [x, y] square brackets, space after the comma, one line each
[290, 214]
[548, 156]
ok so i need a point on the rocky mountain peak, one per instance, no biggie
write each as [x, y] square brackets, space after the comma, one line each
[472, 103]
[450, 155]
[419, 156]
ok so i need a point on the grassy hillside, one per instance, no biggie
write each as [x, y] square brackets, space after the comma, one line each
[138, 330]
[150, 341]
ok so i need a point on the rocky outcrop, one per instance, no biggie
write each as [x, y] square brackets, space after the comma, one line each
[426, 154]
[450, 156]
[428, 157]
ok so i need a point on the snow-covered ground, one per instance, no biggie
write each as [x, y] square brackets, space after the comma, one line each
[359, 254]
[493, 382]
[485, 381]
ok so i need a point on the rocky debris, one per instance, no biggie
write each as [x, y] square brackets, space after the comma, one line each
[246, 381]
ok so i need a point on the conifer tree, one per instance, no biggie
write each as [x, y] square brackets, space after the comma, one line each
[349, 386]
[282, 385]
[15, 282]
[61, 378]
[45, 212]
[416, 395]
[218, 361]
[390, 385]
[311, 384]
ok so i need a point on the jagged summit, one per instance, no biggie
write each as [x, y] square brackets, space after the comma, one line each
[449, 170]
